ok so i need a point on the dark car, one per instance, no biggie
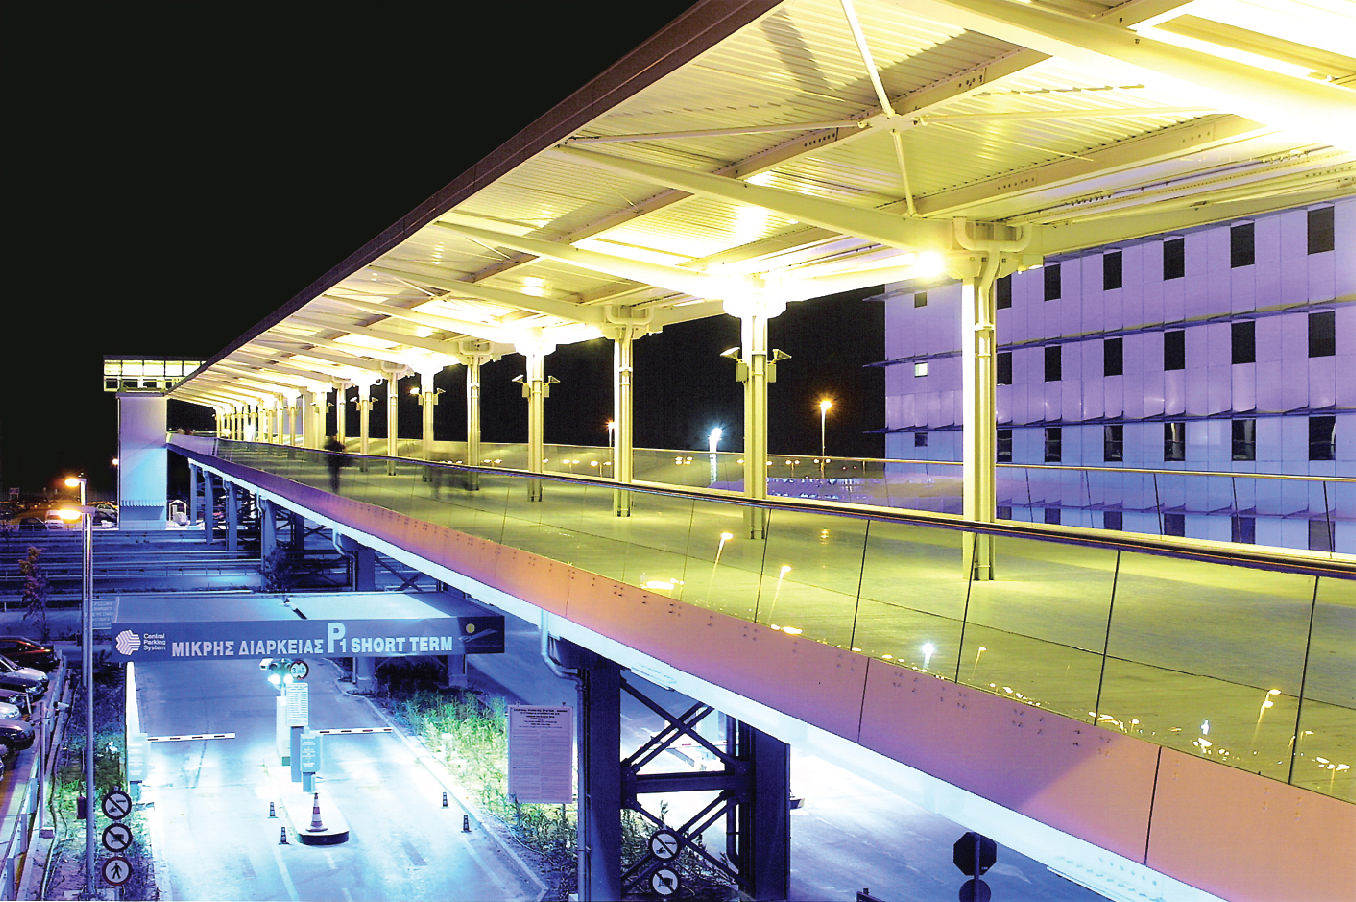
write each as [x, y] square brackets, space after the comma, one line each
[27, 653]
[17, 734]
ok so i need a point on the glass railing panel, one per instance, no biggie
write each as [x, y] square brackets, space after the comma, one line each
[724, 564]
[1325, 742]
[655, 538]
[1036, 631]
[1208, 658]
[912, 599]
[810, 575]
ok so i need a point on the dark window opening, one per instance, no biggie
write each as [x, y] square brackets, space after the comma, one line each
[1052, 285]
[1054, 444]
[1004, 449]
[1111, 357]
[1052, 516]
[1111, 270]
[1323, 333]
[920, 439]
[920, 299]
[1004, 368]
[1174, 524]
[1242, 245]
[1174, 258]
[1174, 441]
[1053, 363]
[1323, 438]
[1004, 299]
[1243, 341]
[1113, 442]
[1174, 350]
[1320, 535]
[1245, 439]
[1322, 230]
[1243, 530]
[1112, 520]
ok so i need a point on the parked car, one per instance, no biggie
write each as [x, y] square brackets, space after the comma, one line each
[27, 653]
[20, 701]
[17, 734]
[22, 679]
[10, 711]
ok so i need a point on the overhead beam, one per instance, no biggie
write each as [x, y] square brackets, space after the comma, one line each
[441, 323]
[362, 358]
[890, 229]
[588, 316]
[1319, 110]
[447, 347]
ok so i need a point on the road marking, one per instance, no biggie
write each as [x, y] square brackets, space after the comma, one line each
[356, 730]
[190, 738]
[286, 877]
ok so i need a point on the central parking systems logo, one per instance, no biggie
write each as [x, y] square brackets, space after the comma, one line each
[127, 642]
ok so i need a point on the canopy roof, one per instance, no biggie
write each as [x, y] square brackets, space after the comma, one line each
[791, 150]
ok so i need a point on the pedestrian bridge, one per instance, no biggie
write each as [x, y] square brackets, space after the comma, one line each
[1186, 707]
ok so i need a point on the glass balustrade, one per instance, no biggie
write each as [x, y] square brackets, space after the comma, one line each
[1250, 665]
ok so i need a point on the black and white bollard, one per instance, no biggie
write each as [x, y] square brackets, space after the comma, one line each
[282, 836]
[466, 823]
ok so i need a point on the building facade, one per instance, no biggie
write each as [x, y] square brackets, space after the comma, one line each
[1227, 350]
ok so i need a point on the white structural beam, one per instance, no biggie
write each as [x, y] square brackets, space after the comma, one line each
[334, 324]
[439, 322]
[362, 358]
[889, 229]
[1321, 111]
[516, 300]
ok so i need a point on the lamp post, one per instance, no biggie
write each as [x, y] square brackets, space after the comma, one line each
[87, 659]
[824, 406]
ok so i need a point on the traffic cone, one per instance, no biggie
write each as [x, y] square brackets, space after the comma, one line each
[282, 836]
[272, 812]
[317, 825]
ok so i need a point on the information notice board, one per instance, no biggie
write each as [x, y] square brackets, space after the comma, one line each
[541, 753]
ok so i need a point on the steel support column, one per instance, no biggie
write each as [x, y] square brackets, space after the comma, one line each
[209, 506]
[232, 519]
[536, 391]
[758, 371]
[600, 778]
[761, 846]
[192, 494]
[624, 326]
[268, 531]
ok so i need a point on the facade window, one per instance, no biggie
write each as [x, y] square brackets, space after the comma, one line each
[1054, 444]
[1111, 520]
[1243, 341]
[1323, 438]
[920, 369]
[1242, 245]
[920, 439]
[1111, 270]
[1004, 448]
[1004, 300]
[1113, 442]
[1243, 530]
[1111, 357]
[1322, 234]
[1005, 512]
[920, 299]
[1320, 535]
[1004, 368]
[1174, 441]
[1174, 258]
[1323, 333]
[1053, 364]
[1174, 524]
[1174, 350]
[1245, 439]
[1052, 283]
[1052, 516]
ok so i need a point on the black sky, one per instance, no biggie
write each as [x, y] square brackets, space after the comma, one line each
[172, 182]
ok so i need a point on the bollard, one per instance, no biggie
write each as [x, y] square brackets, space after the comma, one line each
[282, 836]
[272, 812]
[466, 823]
[444, 798]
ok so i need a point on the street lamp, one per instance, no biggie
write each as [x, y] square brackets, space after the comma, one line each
[824, 406]
[87, 639]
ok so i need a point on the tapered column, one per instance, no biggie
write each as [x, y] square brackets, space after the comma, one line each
[624, 326]
[473, 353]
[758, 370]
[341, 410]
[364, 404]
[428, 399]
[394, 372]
[536, 391]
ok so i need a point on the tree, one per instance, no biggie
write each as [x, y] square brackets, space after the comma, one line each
[34, 592]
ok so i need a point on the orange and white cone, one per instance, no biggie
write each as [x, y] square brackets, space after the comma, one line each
[316, 824]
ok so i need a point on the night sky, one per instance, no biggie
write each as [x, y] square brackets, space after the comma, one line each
[171, 188]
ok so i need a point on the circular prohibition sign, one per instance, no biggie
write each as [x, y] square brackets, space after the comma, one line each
[117, 871]
[117, 837]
